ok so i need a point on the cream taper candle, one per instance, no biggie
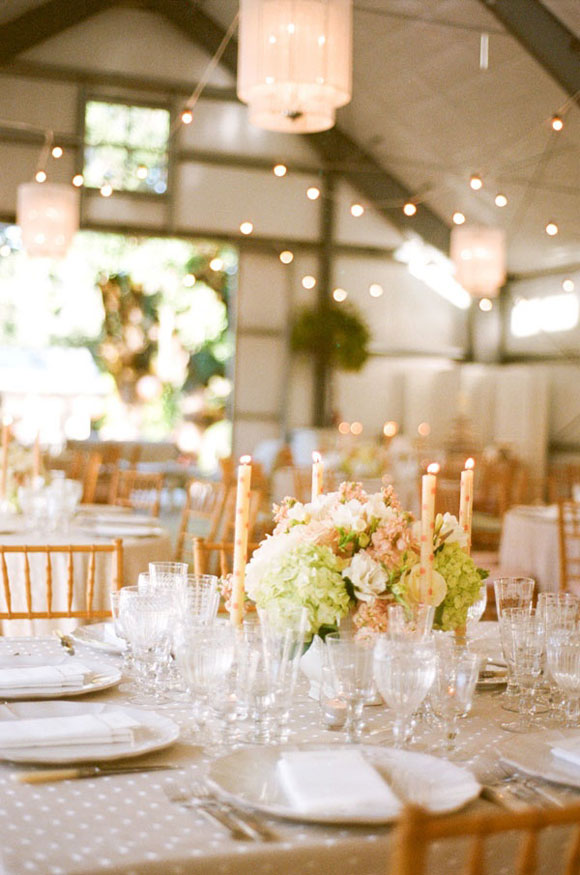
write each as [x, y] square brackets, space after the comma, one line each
[317, 475]
[241, 539]
[428, 489]
[466, 501]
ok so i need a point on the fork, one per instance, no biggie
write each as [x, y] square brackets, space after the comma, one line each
[190, 800]
[242, 821]
[529, 788]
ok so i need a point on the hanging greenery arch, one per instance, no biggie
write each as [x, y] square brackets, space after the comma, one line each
[337, 332]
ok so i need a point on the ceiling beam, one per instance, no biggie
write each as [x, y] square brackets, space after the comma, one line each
[44, 21]
[335, 147]
[544, 37]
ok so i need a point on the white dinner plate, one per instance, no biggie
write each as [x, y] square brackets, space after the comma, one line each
[102, 676]
[250, 777]
[154, 733]
[530, 753]
[101, 636]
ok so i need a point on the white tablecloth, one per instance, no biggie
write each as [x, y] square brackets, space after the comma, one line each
[125, 824]
[137, 553]
[529, 545]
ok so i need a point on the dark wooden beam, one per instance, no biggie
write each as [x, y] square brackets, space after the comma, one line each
[198, 27]
[42, 22]
[544, 37]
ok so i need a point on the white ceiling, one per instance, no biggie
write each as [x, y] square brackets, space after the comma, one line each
[431, 117]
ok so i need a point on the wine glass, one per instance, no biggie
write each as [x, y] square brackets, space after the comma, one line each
[404, 672]
[563, 662]
[452, 692]
[147, 618]
[410, 622]
[523, 644]
[351, 665]
[476, 611]
[512, 592]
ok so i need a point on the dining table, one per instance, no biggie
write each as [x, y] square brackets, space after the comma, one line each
[529, 545]
[144, 540]
[137, 824]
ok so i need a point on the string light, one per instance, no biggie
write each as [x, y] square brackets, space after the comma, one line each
[246, 228]
[485, 304]
[357, 210]
[340, 295]
[106, 189]
[390, 428]
[551, 229]
[142, 172]
[375, 290]
[475, 182]
[424, 429]
[280, 170]
[568, 285]
[57, 152]
[501, 200]
[286, 257]
[313, 193]
[78, 180]
[410, 208]
[216, 264]
[188, 280]
[308, 282]
[344, 427]
[186, 116]
[356, 428]
[458, 218]
[40, 176]
[557, 123]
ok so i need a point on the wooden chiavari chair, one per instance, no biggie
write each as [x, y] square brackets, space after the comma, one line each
[22, 597]
[201, 516]
[569, 545]
[561, 480]
[139, 490]
[88, 471]
[215, 557]
[418, 831]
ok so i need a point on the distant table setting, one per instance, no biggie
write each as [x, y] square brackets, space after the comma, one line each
[529, 544]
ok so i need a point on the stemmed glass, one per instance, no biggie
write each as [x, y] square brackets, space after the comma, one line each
[512, 592]
[351, 665]
[563, 662]
[128, 665]
[147, 618]
[476, 611]
[452, 691]
[410, 622]
[523, 643]
[404, 672]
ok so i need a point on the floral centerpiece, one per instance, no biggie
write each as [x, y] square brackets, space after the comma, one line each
[348, 552]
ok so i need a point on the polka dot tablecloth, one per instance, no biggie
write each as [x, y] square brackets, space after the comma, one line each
[127, 824]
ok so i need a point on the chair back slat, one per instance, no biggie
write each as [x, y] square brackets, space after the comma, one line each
[139, 490]
[569, 544]
[476, 863]
[201, 515]
[21, 582]
[69, 578]
[6, 583]
[573, 862]
[528, 854]
[203, 551]
[27, 583]
[91, 580]
[48, 582]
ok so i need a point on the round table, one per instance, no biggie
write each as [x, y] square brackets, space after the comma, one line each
[529, 545]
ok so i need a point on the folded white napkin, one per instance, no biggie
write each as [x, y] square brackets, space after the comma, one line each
[568, 749]
[334, 784]
[109, 727]
[68, 674]
[433, 783]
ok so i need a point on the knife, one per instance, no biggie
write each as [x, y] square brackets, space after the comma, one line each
[44, 776]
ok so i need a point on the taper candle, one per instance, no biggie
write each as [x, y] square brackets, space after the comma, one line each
[428, 489]
[317, 475]
[466, 501]
[241, 539]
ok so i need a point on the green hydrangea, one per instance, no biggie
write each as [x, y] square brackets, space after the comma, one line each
[306, 575]
[463, 581]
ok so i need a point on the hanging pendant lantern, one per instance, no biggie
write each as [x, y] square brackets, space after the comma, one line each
[294, 62]
[479, 256]
[48, 215]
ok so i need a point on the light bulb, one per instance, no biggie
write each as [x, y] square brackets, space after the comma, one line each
[188, 280]
[246, 228]
[476, 182]
[216, 264]
[458, 218]
[312, 193]
[308, 282]
[410, 208]
[280, 170]
[40, 176]
[187, 116]
[357, 210]
[57, 152]
[106, 189]
[486, 305]
[568, 285]
[375, 290]
[340, 295]
[78, 180]
[551, 229]
[501, 200]
[286, 257]
[142, 172]
[557, 123]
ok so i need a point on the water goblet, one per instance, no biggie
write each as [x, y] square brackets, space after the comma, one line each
[452, 692]
[351, 665]
[404, 672]
[147, 619]
[523, 644]
[512, 592]
[202, 597]
[128, 665]
[563, 663]
[410, 622]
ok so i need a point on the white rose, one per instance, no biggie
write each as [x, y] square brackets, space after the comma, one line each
[418, 592]
[368, 577]
[456, 534]
[350, 516]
